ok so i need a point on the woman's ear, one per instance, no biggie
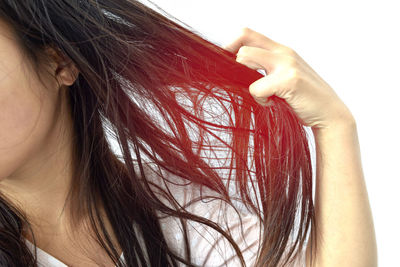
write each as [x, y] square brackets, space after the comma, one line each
[67, 73]
[62, 67]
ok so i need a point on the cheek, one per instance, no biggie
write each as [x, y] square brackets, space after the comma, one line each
[17, 118]
[24, 122]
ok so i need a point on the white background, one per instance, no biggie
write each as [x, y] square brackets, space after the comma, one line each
[354, 46]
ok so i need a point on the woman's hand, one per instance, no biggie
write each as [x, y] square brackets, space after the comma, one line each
[291, 78]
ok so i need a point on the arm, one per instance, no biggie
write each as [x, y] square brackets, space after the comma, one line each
[343, 213]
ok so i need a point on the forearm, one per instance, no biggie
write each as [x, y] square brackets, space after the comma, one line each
[346, 232]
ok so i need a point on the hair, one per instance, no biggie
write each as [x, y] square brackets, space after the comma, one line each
[133, 61]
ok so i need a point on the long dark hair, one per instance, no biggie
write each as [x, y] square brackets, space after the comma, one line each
[175, 99]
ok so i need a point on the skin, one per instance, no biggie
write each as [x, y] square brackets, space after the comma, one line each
[35, 133]
[346, 234]
[35, 148]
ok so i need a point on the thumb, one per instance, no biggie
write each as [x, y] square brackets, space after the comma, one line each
[262, 90]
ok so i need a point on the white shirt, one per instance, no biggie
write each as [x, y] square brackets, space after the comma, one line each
[201, 241]
[204, 240]
[47, 260]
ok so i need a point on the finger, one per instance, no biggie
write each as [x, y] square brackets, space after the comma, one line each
[262, 89]
[258, 58]
[250, 37]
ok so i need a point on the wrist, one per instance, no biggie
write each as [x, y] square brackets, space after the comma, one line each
[341, 118]
[336, 129]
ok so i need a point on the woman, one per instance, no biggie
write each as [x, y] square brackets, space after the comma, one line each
[74, 71]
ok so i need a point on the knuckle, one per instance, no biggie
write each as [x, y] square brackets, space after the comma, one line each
[253, 90]
[242, 50]
[256, 93]
[291, 51]
[246, 30]
[292, 63]
[287, 51]
[294, 76]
